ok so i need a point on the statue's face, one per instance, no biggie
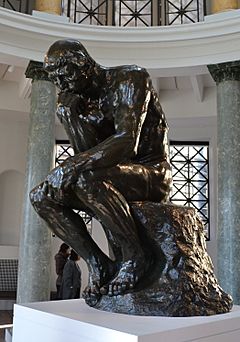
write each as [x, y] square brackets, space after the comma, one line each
[68, 71]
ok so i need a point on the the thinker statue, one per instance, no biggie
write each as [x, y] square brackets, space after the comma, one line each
[118, 131]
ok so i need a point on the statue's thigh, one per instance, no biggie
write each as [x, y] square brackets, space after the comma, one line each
[140, 183]
[132, 181]
[71, 200]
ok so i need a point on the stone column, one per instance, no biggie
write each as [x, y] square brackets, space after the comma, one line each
[227, 77]
[35, 240]
[223, 5]
[49, 6]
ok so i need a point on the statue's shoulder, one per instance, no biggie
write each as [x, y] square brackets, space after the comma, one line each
[132, 70]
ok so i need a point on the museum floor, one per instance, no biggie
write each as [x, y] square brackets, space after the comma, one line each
[6, 317]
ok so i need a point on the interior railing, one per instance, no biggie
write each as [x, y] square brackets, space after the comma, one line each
[123, 12]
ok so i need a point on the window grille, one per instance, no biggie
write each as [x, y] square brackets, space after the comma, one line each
[8, 274]
[64, 151]
[16, 5]
[90, 12]
[134, 12]
[124, 12]
[183, 11]
[12, 5]
[190, 167]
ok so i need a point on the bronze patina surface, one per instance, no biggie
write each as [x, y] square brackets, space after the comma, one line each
[118, 131]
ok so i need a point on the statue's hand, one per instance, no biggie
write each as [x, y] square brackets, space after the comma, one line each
[71, 100]
[69, 104]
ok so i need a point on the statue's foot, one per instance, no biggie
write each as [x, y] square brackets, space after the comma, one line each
[126, 279]
[92, 294]
[97, 278]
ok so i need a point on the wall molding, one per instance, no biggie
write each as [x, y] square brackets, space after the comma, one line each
[24, 37]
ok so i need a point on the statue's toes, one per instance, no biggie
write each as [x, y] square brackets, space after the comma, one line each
[125, 280]
[116, 288]
[120, 288]
[91, 294]
[104, 290]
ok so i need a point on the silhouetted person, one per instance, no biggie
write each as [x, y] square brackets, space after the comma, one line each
[71, 279]
[118, 131]
[60, 260]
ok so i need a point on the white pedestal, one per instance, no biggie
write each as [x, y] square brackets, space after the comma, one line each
[73, 320]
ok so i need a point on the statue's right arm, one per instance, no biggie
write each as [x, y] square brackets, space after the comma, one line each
[81, 134]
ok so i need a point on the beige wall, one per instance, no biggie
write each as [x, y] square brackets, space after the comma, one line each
[13, 140]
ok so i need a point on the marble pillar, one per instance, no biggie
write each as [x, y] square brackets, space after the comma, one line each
[49, 6]
[223, 5]
[227, 77]
[35, 240]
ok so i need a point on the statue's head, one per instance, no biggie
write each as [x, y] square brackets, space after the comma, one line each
[68, 64]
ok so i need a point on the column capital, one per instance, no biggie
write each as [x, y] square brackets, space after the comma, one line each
[229, 71]
[36, 72]
[49, 6]
[223, 5]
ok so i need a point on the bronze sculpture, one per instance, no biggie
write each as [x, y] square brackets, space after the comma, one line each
[118, 131]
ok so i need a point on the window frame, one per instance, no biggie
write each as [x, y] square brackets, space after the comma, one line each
[197, 143]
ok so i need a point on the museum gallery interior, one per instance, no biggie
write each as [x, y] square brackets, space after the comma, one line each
[190, 51]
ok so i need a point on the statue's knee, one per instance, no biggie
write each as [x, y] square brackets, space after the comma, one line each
[37, 197]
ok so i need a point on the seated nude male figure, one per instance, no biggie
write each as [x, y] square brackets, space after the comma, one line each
[118, 131]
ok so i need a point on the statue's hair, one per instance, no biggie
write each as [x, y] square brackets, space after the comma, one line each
[68, 48]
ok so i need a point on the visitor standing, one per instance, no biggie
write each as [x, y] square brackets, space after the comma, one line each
[60, 260]
[71, 279]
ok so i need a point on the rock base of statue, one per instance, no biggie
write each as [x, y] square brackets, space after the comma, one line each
[181, 281]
